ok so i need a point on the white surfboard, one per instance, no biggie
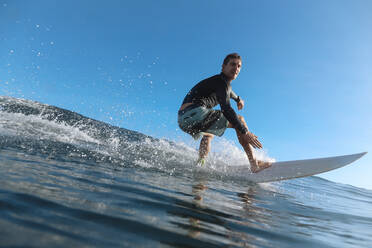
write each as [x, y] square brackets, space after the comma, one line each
[296, 168]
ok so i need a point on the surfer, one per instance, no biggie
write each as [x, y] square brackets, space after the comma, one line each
[197, 117]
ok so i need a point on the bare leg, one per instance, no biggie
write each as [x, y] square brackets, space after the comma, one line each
[256, 165]
[205, 145]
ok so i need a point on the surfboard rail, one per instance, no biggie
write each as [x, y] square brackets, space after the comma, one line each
[285, 170]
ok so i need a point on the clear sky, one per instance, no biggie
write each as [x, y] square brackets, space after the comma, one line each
[306, 77]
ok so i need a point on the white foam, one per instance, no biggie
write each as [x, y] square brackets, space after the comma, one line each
[143, 164]
[156, 153]
[228, 153]
[225, 154]
[35, 127]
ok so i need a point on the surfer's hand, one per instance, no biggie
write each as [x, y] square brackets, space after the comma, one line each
[240, 104]
[252, 139]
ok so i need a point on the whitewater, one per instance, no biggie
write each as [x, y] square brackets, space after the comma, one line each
[67, 180]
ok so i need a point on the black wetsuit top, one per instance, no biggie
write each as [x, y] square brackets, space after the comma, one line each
[213, 91]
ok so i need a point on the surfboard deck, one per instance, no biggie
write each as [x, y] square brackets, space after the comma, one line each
[297, 168]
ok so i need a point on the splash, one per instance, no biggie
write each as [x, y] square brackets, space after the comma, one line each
[55, 132]
[34, 127]
[227, 154]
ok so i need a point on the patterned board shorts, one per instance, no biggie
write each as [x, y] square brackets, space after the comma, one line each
[197, 120]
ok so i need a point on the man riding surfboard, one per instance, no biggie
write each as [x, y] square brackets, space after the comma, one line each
[197, 117]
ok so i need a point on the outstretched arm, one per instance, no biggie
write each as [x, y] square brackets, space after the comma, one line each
[237, 99]
[223, 97]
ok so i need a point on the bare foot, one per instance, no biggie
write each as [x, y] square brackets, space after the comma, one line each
[259, 166]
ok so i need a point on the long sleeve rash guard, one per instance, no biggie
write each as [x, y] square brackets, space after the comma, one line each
[213, 91]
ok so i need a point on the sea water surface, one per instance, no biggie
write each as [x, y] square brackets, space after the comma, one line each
[70, 181]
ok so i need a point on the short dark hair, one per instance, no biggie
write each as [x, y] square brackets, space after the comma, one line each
[231, 56]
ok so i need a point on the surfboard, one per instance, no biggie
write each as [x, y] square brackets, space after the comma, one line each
[297, 168]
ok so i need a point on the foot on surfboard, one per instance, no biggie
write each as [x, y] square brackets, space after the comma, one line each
[259, 166]
[201, 162]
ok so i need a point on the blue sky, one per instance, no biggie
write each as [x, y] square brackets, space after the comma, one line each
[306, 77]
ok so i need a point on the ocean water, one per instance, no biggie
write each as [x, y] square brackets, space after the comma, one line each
[70, 181]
